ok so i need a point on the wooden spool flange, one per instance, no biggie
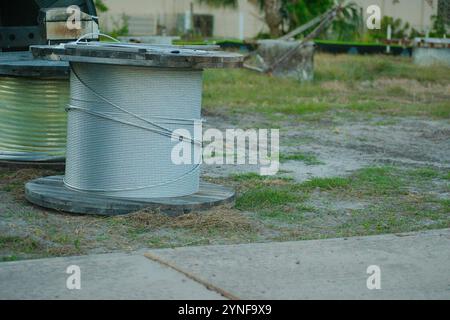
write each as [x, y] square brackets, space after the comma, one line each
[50, 192]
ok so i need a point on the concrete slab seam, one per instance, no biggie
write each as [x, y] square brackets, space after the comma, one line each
[193, 277]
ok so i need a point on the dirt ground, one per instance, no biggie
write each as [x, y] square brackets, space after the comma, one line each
[346, 145]
[371, 156]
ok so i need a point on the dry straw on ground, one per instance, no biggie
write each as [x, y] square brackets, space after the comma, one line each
[220, 218]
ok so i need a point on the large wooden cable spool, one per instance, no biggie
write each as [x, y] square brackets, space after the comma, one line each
[126, 103]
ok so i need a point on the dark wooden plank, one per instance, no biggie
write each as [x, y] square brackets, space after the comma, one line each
[140, 55]
[22, 64]
[51, 193]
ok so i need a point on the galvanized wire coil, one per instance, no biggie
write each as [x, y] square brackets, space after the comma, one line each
[120, 123]
[33, 119]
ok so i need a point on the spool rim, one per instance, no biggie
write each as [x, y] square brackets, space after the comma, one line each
[50, 193]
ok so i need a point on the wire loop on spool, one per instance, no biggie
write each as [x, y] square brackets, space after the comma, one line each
[95, 34]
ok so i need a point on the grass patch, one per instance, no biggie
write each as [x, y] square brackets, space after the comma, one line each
[9, 258]
[249, 176]
[396, 216]
[425, 173]
[288, 214]
[326, 183]
[378, 181]
[370, 84]
[263, 197]
[384, 189]
[308, 159]
[266, 194]
[245, 91]
[364, 68]
[269, 195]
[19, 244]
[369, 182]
[370, 201]
[13, 181]
[446, 204]
[256, 191]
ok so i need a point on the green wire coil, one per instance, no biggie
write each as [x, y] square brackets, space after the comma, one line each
[33, 120]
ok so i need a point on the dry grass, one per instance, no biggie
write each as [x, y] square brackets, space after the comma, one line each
[14, 181]
[222, 219]
[335, 86]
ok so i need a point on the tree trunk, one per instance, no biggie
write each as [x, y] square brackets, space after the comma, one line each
[272, 12]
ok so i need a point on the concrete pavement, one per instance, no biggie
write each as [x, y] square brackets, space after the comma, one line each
[413, 266]
[106, 276]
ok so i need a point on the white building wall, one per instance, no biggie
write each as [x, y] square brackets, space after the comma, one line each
[226, 20]
[417, 13]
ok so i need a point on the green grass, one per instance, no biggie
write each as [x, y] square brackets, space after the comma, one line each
[9, 258]
[19, 244]
[258, 191]
[370, 201]
[11, 187]
[287, 214]
[446, 204]
[377, 181]
[391, 208]
[385, 181]
[447, 176]
[254, 92]
[426, 173]
[369, 68]
[308, 159]
[287, 206]
[326, 183]
[263, 197]
[342, 83]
